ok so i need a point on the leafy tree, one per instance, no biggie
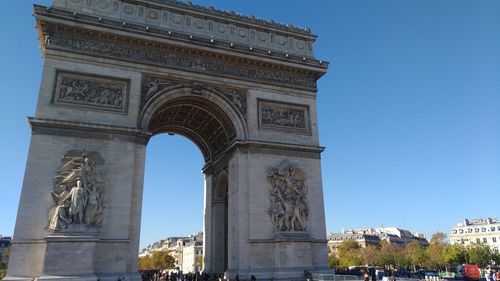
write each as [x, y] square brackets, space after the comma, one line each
[4, 263]
[403, 261]
[162, 260]
[333, 261]
[199, 262]
[479, 254]
[435, 251]
[369, 254]
[3, 269]
[438, 237]
[415, 252]
[454, 254]
[157, 260]
[496, 258]
[349, 253]
[389, 254]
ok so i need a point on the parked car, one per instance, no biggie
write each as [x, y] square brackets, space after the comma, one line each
[468, 272]
[431, 273]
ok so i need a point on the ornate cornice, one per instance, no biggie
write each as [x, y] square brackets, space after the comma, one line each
[86, 42]
[196, 20]
[151, 30]
[287, 70]
[229, 14]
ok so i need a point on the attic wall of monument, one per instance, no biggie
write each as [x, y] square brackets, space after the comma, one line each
[220, 26]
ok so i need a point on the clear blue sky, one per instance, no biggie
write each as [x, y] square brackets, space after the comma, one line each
[409, 113]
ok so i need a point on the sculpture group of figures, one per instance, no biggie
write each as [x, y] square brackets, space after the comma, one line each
[289, 210]
[77, 193]
[89, 92]
[283, 117]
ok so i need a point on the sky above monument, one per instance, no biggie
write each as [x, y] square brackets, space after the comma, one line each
[409, 113]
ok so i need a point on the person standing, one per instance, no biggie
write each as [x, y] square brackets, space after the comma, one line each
[372, 274]
[366, 276]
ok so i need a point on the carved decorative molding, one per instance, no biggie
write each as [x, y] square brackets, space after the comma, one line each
[213, 23]
[78, 193]
[238, 98]
[283, 116]
[152, 85]
[289, 209]
[91, 91]
[203, 63]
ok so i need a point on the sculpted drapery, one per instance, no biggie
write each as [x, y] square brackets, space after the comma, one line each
[289, 209]
[78, 187]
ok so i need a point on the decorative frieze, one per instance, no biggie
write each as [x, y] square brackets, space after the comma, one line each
[78, 193]
[283, 116]
[289, 209]
[201, 63]
[183, 17]
[152, 85]
[91, 91]
[238, 98]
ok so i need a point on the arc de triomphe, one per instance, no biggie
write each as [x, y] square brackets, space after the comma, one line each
[117, 72]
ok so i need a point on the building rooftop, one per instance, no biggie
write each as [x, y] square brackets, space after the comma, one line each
[232, 14]
[485, 221]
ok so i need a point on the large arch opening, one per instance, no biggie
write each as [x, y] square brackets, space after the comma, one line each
[173, 190]
[209, 122]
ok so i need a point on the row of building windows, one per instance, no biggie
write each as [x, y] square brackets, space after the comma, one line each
[476, 230]
[346, 238]
[479, 240]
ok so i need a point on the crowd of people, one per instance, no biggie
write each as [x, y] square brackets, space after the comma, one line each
[491, 274]
[156, 275]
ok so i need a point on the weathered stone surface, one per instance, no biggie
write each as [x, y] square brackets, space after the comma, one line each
[109, 84]
[89, 91]
[211, 23]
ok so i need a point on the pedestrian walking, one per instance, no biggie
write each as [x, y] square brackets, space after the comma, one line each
[487, 275]
[366, 276]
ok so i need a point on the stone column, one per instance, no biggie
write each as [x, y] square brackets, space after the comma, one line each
[207, 225]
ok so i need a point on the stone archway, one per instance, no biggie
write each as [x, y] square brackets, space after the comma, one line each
[117, 72]
[205, 115]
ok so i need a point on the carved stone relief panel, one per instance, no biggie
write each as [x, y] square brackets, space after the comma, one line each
[289, 209]
[152, 85]
[91, 91]
[127, 51]
[78, 193]
[238, 98]
[283, 116]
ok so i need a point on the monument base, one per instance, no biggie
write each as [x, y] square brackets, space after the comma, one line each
[83, 277]
[288, 275]
[70, 256]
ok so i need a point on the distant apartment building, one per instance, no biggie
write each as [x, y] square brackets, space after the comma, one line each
[5, 242]
[192, 254]
[485, 231]
[373, 236]
[186, 251]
